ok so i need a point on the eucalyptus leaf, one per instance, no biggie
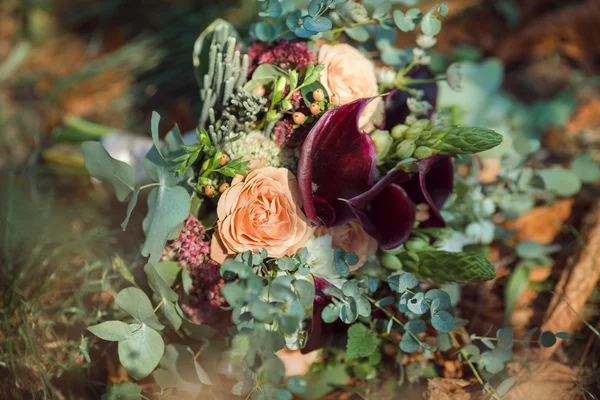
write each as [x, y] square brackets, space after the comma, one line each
[158, 285]
[586, 169]
[107, 169]
[123, 391]
[111, 330]
[135, 303]
[168, 270]
[141, 353]
[358, 33]
[518, 281]
[168, 206]
[560, 180]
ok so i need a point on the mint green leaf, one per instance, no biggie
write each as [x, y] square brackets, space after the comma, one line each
[105, 168]
[155, 134]
[168, 206]
[158, 285]
[323, 382]
[443, 342]
[431, 25]
[168, 270]
[131, 206]
[560, 180]
[111, 330]
[306, 291]
[586, 169]
[296, 384]
[242, 387]
[180, 362]
[141, 353]
[443, 267]
[164, 379]
[135, 303]
[123, 391]
[330, 313]
[361, 341]
[358, 33]
[408, 344]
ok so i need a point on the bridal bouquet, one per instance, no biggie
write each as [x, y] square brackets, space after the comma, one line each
[314, 209]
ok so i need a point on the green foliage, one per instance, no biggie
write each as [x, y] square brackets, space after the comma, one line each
[123, 391]
[105, 168]
[465, 267]
[141, 353]
[586, 169]
[560, 180]
[361, 341]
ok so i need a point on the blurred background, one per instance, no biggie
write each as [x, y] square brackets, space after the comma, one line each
[86, 67]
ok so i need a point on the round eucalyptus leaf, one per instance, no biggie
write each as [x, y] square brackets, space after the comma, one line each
[442, 321]
[141, 353]
[416, 326]
[306, 291]
[586, 169]
[530, 249]
[547, 339]
[563, 335]
[438, 299]
[443, 342]
[416, 304]
[408, 344]
[358, 33]
[560, 180]
[243, 387]
[349, 311]
[111, 330]
[330, 313]
[135, 303]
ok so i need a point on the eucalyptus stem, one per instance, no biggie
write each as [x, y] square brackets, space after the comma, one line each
[393, 318]
[158, 305]
[465, 356]
[149, 185]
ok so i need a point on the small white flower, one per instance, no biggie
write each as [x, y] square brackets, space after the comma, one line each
[418, 107]
[255, 146]
[420, 57]
[426, 41]
[385, 75]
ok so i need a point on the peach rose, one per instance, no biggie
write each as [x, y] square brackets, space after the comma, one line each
[352, 238]
[261, 210]
[350, 75]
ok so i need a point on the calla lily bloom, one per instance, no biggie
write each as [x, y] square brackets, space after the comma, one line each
[336, 172]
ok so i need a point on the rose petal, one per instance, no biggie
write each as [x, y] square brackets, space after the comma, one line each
[337, 161]
[436, 178]
[396, 109]
[385, 211]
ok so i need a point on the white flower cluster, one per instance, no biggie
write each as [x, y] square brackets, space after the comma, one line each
[254, 146]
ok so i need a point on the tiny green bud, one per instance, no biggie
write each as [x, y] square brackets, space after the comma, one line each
[390, 261]
[426, 134]
[414, 256]
[416, 244]
[383, 143]
[272, 115]
[421, 124]
[286, 105]
[414, 132]
[405, 149]
[398, 131]
[422, 152]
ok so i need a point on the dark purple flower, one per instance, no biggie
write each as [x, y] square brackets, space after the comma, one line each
[396, 109]
[335, 176]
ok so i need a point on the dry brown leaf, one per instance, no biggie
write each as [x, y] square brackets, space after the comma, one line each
[574, 288]
[543, 380]
[542, 224]
[447, 389]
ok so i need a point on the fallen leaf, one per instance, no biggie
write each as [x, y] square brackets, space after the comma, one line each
[543, 380]
[540, 274]
[542, 224]
[574, 288]
[447, 389]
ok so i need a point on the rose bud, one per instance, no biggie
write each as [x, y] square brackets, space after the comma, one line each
[319, 95]
[315, 108]
[223, 187]
[298, 118]
[333, 99]
[209, 190]
[224, 160]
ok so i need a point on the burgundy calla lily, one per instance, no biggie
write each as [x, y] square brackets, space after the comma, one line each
[337, 162]
[335, 175]
[396, 109]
